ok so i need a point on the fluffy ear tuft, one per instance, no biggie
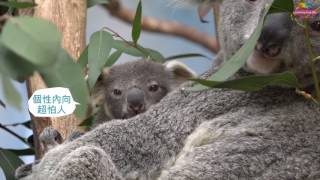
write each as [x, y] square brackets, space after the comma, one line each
[97, 95]
[180, 71]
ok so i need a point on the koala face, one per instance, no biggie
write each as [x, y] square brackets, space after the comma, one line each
[131, 88]
[268, 55]
[241, 21]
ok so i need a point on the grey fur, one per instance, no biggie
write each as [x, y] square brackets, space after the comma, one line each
[134, 80]
[209, 134]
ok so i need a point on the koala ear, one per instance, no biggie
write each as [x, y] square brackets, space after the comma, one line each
[180, 71]
[104, 74]
[97, 95]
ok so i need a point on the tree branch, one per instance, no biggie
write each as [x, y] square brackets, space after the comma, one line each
[166, 27]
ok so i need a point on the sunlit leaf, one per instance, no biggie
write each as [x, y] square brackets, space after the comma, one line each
[9, 162]
[98, 53]
[136, 26]
[35, 40]
[254, 83]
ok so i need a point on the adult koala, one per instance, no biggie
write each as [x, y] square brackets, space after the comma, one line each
[209, 134]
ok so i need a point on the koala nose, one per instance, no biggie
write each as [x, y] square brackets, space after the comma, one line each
[136, 109]
[135, 100]
[268, 50]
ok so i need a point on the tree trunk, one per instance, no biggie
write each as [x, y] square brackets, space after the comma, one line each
[70, 18]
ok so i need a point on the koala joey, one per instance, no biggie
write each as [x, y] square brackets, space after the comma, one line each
[209, 134]
[128, 89]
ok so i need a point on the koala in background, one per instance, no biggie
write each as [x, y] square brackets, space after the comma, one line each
[128, 89]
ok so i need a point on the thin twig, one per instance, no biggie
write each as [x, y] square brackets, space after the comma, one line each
[166, 27]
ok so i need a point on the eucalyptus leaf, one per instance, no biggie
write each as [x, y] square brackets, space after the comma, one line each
[231, 66]
[188, 55]
[91, 3]
[254, 83]
[154, 55]
[136, 27]
[19, 5]
[66, 73]
[2, 104]
[282, 6]
[113, 58]
[83, 59]
[11, 94]
[22, 152]
[14, 66]
[36, 40]
[9, 162]
[127, 48]
[27, 124]
[98, 53]
[87, 123]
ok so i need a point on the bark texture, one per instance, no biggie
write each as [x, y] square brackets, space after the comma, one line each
[70, 18]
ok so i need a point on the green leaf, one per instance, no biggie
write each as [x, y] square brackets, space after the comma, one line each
[83, 59]
[87, 123]
[98, 52]
[238, 60]
[66, 73]
[91, 3]
[22, 152]
[183, 56]
[138, 51]
[14, 66]
[254, 83]
[113, 58]
[9, 162]
[27, 124]
[136, 27]
[35, 40]
[231, 66]
[127, 48]
[19, 5]
[154, 55]
[282, 6]
[11, 94]
[2, 104]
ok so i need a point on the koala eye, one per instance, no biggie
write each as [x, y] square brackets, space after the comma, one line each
[117, 92]
[315, 26]
[154, 87]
